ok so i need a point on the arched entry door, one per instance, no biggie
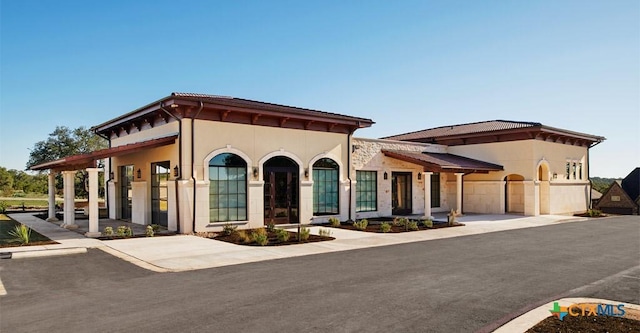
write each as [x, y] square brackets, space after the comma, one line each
[281, 184]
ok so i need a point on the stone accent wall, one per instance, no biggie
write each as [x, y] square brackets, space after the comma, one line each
[367, 153]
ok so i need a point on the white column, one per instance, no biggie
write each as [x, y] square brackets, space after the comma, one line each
[69, 199]
[427, 194]
[459, 192]
[52, 197]
[93, 203]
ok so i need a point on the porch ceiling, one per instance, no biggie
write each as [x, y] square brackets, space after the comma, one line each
[439, 162]
[82, 161]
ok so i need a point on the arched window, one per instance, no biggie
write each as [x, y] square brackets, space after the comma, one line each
[325, 187]
[227, 188]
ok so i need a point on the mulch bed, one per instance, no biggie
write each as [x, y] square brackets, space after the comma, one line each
[17, 244]
[6, 240]
[587, 215]
[375, 227]
[273, 239]
[587, 324]
[157, 234]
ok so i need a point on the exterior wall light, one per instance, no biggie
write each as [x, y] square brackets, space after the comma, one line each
[255, 172]
[419, 175]
[111, 175]
[176, 171]
[555, 175]
[306, 173]
[139, 173]
[385, 176]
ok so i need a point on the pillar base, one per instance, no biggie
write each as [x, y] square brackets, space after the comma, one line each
[93, 234]
[52, 219]
[428, 218]
[70, 226]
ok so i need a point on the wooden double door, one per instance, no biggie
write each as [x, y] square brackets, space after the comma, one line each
[281, 191]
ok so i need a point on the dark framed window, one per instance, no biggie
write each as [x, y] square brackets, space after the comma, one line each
[435, 189]
[366, 191]
[227, 188]
[568, 171]
[325, 187]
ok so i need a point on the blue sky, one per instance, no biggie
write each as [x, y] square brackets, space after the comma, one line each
[408, 65]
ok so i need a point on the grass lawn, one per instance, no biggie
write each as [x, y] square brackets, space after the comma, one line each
[7, 224]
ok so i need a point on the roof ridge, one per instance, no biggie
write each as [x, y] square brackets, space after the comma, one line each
[531, 123]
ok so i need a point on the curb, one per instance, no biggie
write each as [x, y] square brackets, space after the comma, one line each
[533, 317]
[42, 253]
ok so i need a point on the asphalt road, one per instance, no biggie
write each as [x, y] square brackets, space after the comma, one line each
[462, 284]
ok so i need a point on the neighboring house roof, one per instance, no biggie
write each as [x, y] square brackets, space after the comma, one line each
[631, 184]
[497, 131]
[235, 110]
[595, 195]
[81, 161]
[440, 162]
[616, 201]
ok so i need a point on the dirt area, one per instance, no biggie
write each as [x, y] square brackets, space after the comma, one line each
[587, 324]
[237, 238]
[375, 227]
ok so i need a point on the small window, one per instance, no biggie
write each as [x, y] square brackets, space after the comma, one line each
[366, 191]
[568, 171]
[580, 170]
[575, 168]
[325, 187]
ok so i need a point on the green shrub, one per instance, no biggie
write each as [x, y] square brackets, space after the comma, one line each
[325, 232]
[283, 235]
[385, 227]
[260, 231]
[128, 232]
[335, 222]
[594, 213]
[304, 233]
[412, 225]
[121, 231]
[229, 229]
[260, 238]
[361, 225]
[22, 234]
[149, 231]
[156, 227]
[108, 231]
[3, 207]
[427, 223]
[396, 222]
[271, 227]
[243, 236]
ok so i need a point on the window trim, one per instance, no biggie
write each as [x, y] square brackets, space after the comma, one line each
[240, 170]
[316, 184]
[375, 190]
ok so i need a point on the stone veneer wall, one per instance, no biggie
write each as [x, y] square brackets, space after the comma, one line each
[366, 151]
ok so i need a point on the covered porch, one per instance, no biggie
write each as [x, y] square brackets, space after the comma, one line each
[443, 163]
[70, 165]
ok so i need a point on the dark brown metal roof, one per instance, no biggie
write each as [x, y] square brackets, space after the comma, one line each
[231, 109]
[441, 162]
[496, 131]
[82, 161]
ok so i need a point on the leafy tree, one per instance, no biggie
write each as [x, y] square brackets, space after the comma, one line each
[63, 142]
[602, 184]
[6, 182]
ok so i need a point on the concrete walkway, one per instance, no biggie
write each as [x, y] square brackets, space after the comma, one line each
[184, 252]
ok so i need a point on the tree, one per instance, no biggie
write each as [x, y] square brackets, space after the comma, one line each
[6, 182]
[63, 142]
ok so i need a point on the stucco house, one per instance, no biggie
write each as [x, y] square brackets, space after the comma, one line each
[195, 162]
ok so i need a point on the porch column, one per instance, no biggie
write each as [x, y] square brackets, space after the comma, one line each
[459, 192]
[427, 194]
[52, 197]
[69, 199]
[93, 203]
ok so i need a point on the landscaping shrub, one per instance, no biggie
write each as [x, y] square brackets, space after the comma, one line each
[304, 233]
[385, 227]
[325, 232]
[594, 213]
[427, 223]
[149, 231]
[259, 237]
[156, 227]
[128, 232]
[335, 222]
[229, 229]
[282, 235]
[412, 225]
[271, 227]
[22, 234]
[108, 231]
[121, 230]
[3, 207]
[243, 236]
[361, 225]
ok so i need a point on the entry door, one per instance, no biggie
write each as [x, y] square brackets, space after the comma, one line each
[401, 193]
[159, 193]
[126, 177]
[280, 196]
